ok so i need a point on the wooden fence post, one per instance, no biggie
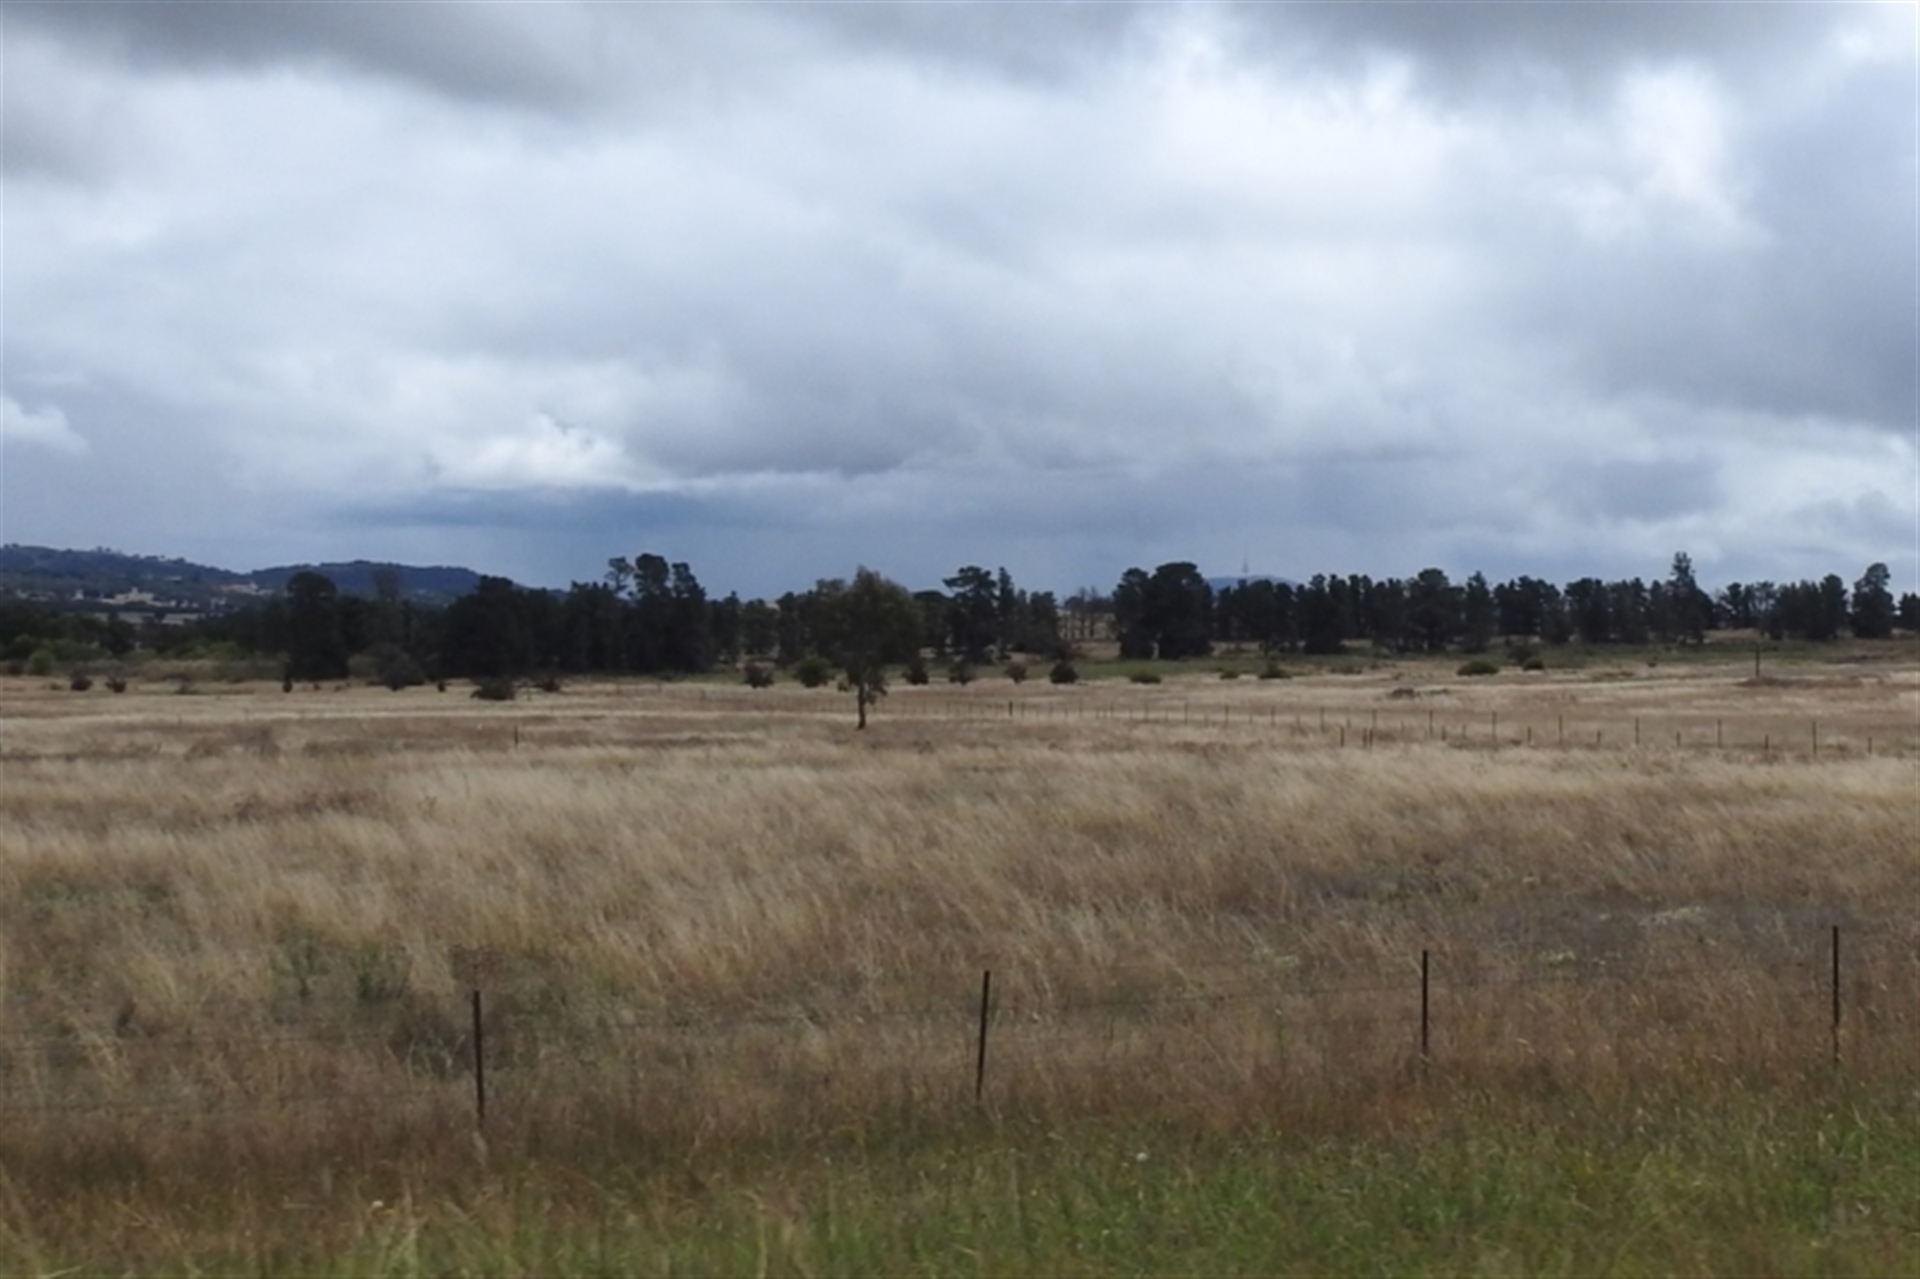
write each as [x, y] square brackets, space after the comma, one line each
[980, 1053]
[479, 1065]
[1836, 995]
[1426, 1054]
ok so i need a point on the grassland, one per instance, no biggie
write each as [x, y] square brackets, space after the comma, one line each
[731, 954]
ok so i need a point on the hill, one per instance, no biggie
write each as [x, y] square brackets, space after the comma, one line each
[104, 575]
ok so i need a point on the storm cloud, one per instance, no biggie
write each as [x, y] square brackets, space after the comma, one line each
[1551, 288]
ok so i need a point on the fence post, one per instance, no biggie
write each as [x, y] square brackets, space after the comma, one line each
[1426, 1054]
[1836, 995]
[980, 1054]
[479, 1065]
[1814, 727]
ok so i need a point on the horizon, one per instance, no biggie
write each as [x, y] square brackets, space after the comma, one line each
[1215, 580]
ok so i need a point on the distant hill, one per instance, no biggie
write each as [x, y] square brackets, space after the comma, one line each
[437, 583]
[102, 575]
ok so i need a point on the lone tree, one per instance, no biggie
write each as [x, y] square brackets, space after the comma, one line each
[863, 625]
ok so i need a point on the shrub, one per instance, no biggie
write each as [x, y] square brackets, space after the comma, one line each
[917, 673]
[1479, 666]
[812, 671]
[1272, 671]
[495, 690]
[387, 664]
[1534, 663]
[40, 664]
[380, 973]
[115, 684]
[80, 682]
[1229, 673]
[1016, 671]
[758, 675]
[1063, 672]
[1144, 677]
[549, 684]
[959, 671]
[1521, 652]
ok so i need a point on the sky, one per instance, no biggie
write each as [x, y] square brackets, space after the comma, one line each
[782, 289]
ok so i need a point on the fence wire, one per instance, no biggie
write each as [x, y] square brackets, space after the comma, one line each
[355, 1057]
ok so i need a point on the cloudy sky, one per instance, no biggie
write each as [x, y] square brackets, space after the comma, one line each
[779, 289]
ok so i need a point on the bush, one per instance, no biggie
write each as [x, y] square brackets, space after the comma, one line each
[1016, 671]
[1272, 671]
[1144, 677]
[115, 684]
[550, 684]
[80, 682]
[1521, 652]
[758, 675]
[1479, 666]
[41, 663]
[959, 672]
[1063, 672]
[917, 673]
[812, 671]
[1535, 663]
[1229, 674]
[495, 690]
[387, 664]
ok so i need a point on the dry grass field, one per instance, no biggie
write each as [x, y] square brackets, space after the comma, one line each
[239, 929]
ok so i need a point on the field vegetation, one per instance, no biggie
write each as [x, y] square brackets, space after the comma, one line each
[731, 952]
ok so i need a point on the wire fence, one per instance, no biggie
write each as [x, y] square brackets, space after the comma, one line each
[1838, 998]
[1766, 731]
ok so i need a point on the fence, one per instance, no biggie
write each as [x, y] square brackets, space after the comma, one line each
[1050, 1043]
[1761, 730]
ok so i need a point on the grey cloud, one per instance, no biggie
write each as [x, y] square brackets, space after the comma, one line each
[1037, 42]
[950, 284]
[1545, 47]
[472, 51]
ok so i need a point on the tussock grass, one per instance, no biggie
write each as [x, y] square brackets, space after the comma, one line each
[721, 935]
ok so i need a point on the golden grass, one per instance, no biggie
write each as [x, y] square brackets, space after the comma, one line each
[705, 914]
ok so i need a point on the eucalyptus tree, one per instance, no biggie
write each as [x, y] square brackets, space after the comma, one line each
[863, 625]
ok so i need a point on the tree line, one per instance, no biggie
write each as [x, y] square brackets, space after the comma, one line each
[648, 616]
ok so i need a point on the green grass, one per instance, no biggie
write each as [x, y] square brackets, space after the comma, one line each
[1744, 1181]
